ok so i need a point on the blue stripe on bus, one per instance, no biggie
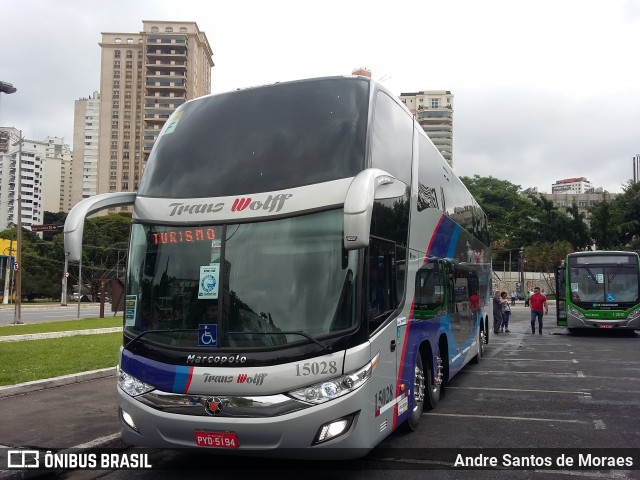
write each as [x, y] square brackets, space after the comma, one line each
[444, 240]
[454, 241]
[183, 379]
[152, 372]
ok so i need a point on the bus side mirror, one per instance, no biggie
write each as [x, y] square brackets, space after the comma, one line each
[74, 225]
[367, 186]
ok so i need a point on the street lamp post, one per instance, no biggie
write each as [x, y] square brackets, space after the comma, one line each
[8, 88]
[522, 267]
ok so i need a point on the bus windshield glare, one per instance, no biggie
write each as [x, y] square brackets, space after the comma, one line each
[247, 282]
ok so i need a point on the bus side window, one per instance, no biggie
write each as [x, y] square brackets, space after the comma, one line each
[430, 287]
[382, 291]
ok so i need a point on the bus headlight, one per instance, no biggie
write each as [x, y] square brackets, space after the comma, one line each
[333, 388]
[131, 385]
[577, 313]
[633, 315]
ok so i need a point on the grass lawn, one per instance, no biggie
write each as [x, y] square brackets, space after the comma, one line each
[80, 324]
[39, 359]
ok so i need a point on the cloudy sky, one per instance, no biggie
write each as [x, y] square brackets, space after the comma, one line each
[544, 89]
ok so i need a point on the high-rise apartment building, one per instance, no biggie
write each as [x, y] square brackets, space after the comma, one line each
[86, 131]
[21, 180]
[56, 177]
[434, 111]
[144, 77]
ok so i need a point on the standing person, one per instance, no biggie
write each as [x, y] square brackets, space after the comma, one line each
[497, 312]
[474, 305]
[538, 303]
[513, 297]
[506, 312]
[526, 298]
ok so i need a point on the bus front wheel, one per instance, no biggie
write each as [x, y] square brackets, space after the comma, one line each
[434, 382]
[418, 395]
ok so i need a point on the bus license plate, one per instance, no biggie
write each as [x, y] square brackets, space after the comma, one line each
[605, 325]
[217, 439]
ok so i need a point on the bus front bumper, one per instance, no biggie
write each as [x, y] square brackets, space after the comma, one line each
[290, 435]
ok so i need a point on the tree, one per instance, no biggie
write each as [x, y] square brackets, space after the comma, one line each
[547, 223]
[602, 225]
[626, 213]
[578, 230]
[105, 243]
[507, 212]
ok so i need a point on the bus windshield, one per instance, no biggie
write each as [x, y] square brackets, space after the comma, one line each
[603, 285]
[253, 284]
[246, 142]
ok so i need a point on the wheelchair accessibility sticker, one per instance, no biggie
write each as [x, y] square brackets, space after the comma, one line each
[207, 334]
[209, 280]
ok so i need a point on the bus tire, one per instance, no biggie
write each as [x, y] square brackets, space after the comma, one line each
[480, 342]
[418, 396]
[486, 329]
[434, 382]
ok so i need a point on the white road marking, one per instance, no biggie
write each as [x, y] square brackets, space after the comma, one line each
[499, 417]
[521, 390]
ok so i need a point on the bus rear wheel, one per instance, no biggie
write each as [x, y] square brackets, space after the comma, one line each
[418, 396]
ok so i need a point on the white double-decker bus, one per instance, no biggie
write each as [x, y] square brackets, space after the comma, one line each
[305, 271]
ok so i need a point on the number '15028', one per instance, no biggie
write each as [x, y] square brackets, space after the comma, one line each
[316, 368]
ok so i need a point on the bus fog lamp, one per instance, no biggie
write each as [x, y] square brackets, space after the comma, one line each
[333, 429]
[128, 420]
[131, 385]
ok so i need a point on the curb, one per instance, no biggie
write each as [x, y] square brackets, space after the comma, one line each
[67, 333]
[28, 387]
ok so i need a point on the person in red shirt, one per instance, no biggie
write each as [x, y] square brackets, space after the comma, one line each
[538, 304]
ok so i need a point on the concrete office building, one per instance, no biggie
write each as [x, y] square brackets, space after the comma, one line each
[144, 77]
[86, 131]
[434, 111]
[572, 185]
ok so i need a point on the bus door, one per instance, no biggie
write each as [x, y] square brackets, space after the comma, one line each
[382, 299]
[561, 296]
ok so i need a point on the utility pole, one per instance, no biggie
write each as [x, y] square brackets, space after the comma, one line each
[17, 319]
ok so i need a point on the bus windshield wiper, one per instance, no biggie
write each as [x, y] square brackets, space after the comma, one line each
[302, 334]
[169, 330]
[593, 277]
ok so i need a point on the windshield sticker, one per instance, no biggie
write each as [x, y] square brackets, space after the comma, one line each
[207, 335]
[574, 287]
[130, 311]
[600, 277]
[171, 124]
[209, 280]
